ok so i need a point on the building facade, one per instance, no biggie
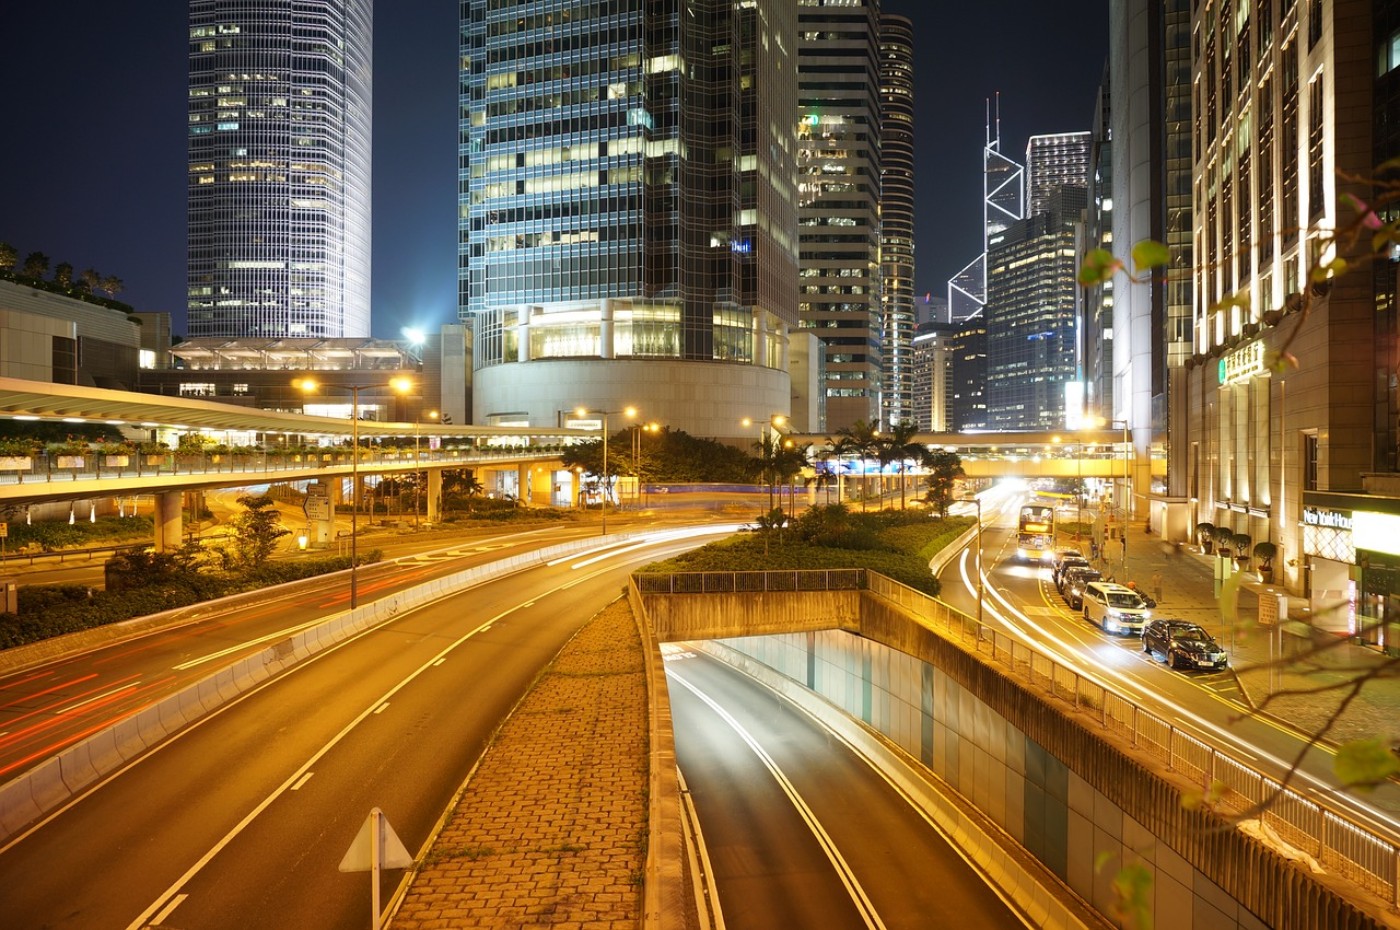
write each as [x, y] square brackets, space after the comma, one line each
[627, 222]
[838, 191]
[897, 216]
[932, 362]
[279, 168]
[1281, 389]
[1030, 316]
[1053, 160]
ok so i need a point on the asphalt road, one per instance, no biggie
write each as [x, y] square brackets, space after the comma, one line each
[45, 709]
[241, 820]
[800, 831]
[1023, 600]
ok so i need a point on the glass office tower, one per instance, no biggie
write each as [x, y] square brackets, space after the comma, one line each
[627, 228]
[279, 168]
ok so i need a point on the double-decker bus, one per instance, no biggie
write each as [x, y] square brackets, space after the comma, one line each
[1035, 535]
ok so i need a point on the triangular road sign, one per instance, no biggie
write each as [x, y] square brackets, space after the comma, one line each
[392, 854]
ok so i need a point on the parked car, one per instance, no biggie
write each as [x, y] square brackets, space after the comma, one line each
[1059, 560]
[1072, 584]
[1114, 608]
[1062, 568]
[1183, 644]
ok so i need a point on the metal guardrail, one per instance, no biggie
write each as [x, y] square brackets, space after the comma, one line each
[1338, 843]
[46, 469]
[63, 555]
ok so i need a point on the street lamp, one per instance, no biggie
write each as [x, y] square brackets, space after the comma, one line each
[978, 502]
[310, 385]
[765, 445]
[637, 431]
[628, 412]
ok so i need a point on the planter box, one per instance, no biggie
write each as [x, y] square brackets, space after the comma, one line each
[68, 461]
[16, 463]
[116, 461]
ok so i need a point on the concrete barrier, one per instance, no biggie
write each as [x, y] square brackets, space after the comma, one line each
[44, 788]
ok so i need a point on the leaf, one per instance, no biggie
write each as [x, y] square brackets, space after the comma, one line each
[1229, 603]
[1132, 886]
[1364, 763]
[1101, 860]
[1335, 268]
[1099, 265]
[1150, 254]
[1279, 362]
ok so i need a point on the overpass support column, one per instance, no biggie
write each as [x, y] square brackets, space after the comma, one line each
[434, 494]
[167, 520]
[522, 482]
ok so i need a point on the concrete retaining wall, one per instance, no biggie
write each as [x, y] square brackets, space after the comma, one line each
[1050, 779]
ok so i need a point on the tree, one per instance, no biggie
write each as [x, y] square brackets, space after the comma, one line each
[112, 285]
[945, 468]
[256, 531]
[860, 440]
[36, 265]
[770, 523]
[899, 449]
[90, 279]
[8, 256]
[63, 275]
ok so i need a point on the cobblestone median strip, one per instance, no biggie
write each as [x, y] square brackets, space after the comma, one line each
[551, 829]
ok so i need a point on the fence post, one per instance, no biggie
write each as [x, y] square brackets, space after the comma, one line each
[1135, 726]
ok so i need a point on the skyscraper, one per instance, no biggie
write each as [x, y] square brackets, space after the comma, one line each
[279, 168]
[897, 215]
[1030, 315]
[627, 229]
[838, 193]
[1003, 203]
[1053, 159]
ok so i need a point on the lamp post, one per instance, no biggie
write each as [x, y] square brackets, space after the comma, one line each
[767, 447]
[628, 412]
[978, 502]
[637, 431]
[308, 385]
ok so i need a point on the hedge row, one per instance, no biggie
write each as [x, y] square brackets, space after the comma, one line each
[46, 611]
[897, 545]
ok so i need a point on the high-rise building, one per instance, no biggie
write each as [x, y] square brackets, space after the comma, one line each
[1095, 316]
[279, 168]
[968, 390]
[1052, 160]
[1030, 315]
[838, 193]
[897, 214]
[1283, 140]
[627, 231]
[1003, 203]
[932, 362]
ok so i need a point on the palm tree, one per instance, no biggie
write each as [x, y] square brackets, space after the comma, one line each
[860, 439]
[899, 449]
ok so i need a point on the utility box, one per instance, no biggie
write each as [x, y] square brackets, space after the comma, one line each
[9, 595]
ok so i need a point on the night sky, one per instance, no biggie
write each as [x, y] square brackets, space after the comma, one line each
[93, 159]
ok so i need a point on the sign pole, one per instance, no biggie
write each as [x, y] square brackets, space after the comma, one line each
[375, 816]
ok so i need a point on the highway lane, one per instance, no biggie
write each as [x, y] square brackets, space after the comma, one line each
[799, 831]
[47, 708]
[1022, 600]
[241, 820]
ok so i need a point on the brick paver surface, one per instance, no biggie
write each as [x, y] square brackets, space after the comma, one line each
[551, 829]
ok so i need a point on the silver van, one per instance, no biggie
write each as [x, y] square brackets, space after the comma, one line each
[1115, 608]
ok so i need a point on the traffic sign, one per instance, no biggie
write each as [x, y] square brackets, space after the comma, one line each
[4, 529]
